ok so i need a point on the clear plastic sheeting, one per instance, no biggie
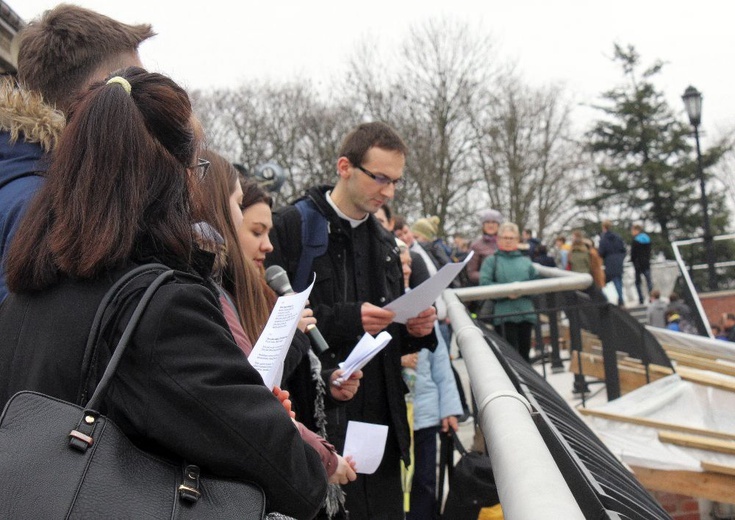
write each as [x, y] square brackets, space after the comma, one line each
[690, 342]
[673, 401]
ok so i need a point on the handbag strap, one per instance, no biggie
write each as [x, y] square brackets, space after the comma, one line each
[101, 390]
[111, 297]
[458, 444]
[446, 449]
[81, 437]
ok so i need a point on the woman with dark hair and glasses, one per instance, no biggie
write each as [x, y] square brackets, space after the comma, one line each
[120, 192]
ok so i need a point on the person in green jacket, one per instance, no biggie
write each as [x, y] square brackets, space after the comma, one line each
[507, 265]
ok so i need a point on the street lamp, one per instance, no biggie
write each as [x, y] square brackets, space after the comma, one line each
[693, 104]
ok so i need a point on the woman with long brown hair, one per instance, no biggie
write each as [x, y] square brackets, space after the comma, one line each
[313, 390]
[119, 194]
[244, 296]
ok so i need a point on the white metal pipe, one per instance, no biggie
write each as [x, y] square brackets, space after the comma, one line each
[529, 482]
[692, 290]
[554, 280]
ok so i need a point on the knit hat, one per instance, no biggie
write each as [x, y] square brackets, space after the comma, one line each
[490, 215]
[427, 227]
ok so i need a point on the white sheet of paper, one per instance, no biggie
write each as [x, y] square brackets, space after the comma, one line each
[270, 349]
[363, 352]
[422, 297]
[365, 442]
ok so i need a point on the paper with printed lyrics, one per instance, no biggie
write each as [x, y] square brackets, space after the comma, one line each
[363, 352]
[422, 297]
[365, 443]
[270, 349]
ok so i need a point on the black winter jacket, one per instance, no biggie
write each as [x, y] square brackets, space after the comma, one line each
[612, 250]
[339, 320]
[183, 389]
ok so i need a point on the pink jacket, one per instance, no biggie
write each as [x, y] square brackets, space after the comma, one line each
[484, 246]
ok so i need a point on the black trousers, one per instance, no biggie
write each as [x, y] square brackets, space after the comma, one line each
[378, 496]
[519, 336]
[423, 486]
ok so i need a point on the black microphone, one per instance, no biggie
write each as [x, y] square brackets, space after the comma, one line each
[277, 279]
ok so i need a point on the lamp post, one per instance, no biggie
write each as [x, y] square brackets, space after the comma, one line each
[693, 104]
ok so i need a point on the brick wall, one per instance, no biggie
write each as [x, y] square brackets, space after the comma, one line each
[680, 507]
[715, 304]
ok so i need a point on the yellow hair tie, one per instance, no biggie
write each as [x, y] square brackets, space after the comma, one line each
[122, 81]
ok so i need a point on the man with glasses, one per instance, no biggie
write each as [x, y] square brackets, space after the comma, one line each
[359, 272]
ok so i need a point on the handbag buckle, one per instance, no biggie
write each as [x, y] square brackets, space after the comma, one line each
[189, 488]
[81, 438]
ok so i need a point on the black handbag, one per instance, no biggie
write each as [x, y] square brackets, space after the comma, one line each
[471, 481]
[60, 460]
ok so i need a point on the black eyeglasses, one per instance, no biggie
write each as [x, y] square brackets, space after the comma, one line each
[380, 179]
[201, 168]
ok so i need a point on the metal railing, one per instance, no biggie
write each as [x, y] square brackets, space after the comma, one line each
[700, 316]
[530, 484]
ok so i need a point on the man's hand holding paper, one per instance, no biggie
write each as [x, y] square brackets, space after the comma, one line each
[374, 318]
[415, 302]
[422, 324]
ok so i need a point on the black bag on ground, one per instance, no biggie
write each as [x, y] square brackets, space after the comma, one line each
[61, 460]
[471, 482]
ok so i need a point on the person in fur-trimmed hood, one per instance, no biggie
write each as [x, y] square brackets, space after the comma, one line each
[28, 131]
[59, 54]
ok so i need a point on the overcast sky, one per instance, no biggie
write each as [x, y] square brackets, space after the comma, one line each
[215, 43]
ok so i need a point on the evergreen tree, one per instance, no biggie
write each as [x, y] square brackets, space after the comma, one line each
[646, 167]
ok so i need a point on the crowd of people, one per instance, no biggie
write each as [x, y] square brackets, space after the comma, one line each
[104, 167]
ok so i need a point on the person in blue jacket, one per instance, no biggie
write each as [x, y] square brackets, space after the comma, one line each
[436, 405]
[48, 81]
[612, 250]
[640, 256]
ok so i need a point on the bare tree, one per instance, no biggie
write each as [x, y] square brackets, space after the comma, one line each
[286, 124]
[529, 161]
[436, 81]
[476, 135]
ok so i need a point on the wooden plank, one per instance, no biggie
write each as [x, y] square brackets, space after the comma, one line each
[702, 364]
[658, 369]
[696, 376]
[590, 342]
[712, 486]
[726, 353]
[718, 468]
[631, 375]
[697, 441]
[668, 347]
[661, 425]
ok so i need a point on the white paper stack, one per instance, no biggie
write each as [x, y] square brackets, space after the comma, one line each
[364, 351]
